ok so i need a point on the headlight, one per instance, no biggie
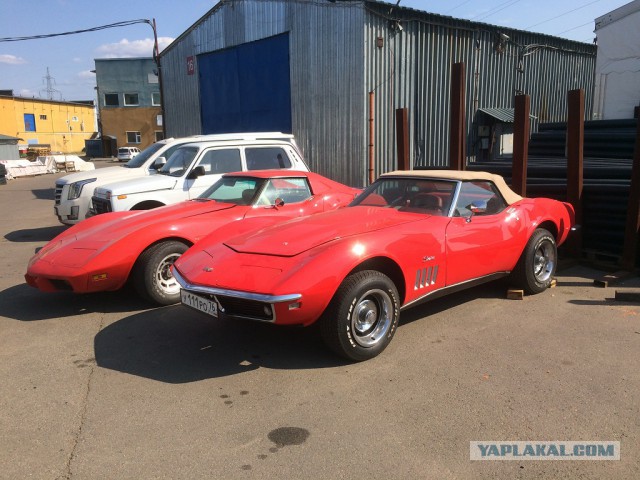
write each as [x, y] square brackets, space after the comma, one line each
[76, 188]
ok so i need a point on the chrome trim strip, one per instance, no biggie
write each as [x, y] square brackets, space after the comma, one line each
[454, 200]
[455, 288]
[257, 297]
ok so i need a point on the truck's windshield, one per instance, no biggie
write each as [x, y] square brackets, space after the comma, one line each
[179, 161]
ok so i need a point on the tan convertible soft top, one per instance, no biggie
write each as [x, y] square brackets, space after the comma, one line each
[509, 195]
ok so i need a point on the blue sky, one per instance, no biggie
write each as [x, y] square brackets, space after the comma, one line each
[23, 65]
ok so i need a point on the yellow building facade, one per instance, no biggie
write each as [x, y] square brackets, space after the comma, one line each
[62, 125]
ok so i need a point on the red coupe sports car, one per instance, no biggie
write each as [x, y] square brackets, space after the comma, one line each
[409, 237]
[103, 252]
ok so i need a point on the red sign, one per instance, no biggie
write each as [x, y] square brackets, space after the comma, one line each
[191, 65]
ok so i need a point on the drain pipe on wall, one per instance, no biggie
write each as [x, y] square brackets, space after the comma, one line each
[371, 130]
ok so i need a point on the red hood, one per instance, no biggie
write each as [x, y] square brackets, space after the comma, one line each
[119, 226]
[91, 235]
[301, 234]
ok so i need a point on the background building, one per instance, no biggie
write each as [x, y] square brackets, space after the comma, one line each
[62, 125]
[309, 67]
[9, 148]
[129, 101]
[618, 64]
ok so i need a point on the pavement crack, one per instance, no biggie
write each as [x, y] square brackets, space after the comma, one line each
[67, 474]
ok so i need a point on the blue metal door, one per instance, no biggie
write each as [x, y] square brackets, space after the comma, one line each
[246, 88]
[29, 122]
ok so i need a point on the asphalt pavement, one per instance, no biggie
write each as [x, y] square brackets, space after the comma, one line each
[106, 386]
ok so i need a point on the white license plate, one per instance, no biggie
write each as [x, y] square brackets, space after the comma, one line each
[199, 303]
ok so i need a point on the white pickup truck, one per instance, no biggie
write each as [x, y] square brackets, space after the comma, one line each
[192, 168]
[74, 191]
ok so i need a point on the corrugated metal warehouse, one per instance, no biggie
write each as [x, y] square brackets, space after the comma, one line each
[308, 67]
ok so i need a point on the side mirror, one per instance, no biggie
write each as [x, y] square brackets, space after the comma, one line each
[196, 172]
[278, 202]
[159, 163]
[478, 207]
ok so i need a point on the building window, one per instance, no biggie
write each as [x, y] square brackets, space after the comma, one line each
[152, 78]
[155, 99]
[159, 135]
[111, 100]
[43, 117]
[29, 122]
[133, 137]
[159, 120]
[131, 99]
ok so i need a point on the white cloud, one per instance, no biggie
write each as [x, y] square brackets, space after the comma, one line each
[12, 60]
[87, 74]
[134, 48]
[77, 60]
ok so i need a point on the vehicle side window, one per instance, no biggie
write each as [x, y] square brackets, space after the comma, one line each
[290, 190]
[221, 161]
[169, 151]
[479, 198]
[267, 158]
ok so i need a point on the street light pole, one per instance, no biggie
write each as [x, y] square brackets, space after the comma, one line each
[156, 59]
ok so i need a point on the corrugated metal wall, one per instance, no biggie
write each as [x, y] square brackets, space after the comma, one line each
[9, 152]
[326, 74]
[336, 60]
[413, 70]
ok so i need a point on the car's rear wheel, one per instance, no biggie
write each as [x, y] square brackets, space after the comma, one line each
[537, 265]
[362, 317]
[152, 275]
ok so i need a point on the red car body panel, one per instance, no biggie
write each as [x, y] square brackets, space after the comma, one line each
[99, 253]
[307, 259]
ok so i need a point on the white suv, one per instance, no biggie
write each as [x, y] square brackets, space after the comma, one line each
[194, 167]
[127, 153]
[73, 192]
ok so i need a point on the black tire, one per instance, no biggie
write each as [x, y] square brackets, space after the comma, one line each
[152, 276]
[362, 317]
[3, 169]
[537, 264]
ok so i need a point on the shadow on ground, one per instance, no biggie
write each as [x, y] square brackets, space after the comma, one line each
[43, 234]
[175, 345]
[44, 193]
[27, 304]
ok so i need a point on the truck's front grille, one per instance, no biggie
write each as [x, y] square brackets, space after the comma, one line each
[100, 205]
[58, 193]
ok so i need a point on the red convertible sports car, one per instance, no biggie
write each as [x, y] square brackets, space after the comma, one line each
[410, 237]
[103, 252]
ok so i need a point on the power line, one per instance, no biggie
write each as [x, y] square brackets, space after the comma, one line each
[575, 28]
[496, 9]
[93, 29]
[457, 6]
[562, 14]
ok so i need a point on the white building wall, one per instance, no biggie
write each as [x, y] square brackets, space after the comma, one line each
[617, 82]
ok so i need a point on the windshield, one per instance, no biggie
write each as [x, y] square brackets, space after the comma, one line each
[409, 195]
[143, 156]
[236, 190]
[179, 162]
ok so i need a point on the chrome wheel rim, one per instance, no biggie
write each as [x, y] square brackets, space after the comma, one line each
[544, 261]
[164, 277]
[372, 318]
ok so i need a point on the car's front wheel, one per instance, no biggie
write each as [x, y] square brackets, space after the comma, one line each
[537, 265]
[362, 317]
[152, 275]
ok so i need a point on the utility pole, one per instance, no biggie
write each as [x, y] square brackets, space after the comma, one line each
[50, 82]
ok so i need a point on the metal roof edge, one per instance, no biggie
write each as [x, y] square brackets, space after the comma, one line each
[617, 14]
